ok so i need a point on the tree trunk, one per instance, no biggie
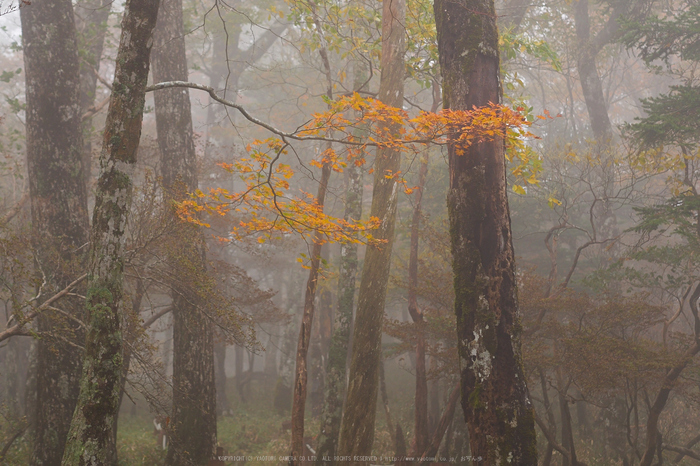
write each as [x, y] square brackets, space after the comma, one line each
[59, 212]
[442, 425]
[226, 70]
[495, 399]
[301, 375]
[357, 429]
[338, 352]
[653, 436]
[421, 423]
[193, 419]
[91, 437]
[222, 404]
[567, 434]
[589, 77]
[91, 21]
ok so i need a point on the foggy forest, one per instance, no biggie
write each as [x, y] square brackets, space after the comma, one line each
[362, 232]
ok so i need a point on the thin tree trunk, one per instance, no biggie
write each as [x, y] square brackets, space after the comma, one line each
[421, 423]
[59, 212]
[653, 435]
[130, 338]
[91, 21]
[567, 434]
[226, 70]
[495, 399]
[222, 404]
[357, 428]
[301, 371]
[91, 438]
[442, 425]
[589, 77]
[338, 351]
[385, 403]
[193, 419]
[301, 375]
[547, 459]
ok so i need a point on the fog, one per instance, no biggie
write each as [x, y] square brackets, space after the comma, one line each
[349, 232]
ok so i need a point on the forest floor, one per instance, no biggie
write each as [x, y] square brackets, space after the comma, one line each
[252, 428]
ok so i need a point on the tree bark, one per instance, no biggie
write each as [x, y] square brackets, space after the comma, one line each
[653, 436]
[588, 75]
[59, 212]
[193, 418]
[442, 425]
[301, 373]
[91, 21]
[357, 428]
[495, 399]
[91, 438]
[421, 423]
[222, 404]
[340, 340]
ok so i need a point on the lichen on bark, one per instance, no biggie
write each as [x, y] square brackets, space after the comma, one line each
[495, 400]
[91, 439]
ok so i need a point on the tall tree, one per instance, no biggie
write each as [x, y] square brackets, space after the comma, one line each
[357, 428]
[91, 440]
[193, 418]
[301, 371]
[59, 212]
[334, 389]
[91, 22]
[495, 399]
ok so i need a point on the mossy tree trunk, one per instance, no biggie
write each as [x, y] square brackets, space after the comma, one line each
[338, 350]
[59, 213]
[357, 428]
[494, 395]
[193, 419]
[91, 440]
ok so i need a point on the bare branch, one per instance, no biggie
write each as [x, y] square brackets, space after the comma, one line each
[17, 329]
[17, 208]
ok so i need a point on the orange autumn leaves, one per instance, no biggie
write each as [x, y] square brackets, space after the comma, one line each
[268, 208]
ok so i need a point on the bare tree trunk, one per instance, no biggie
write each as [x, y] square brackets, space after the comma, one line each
[421, 423]
[442, 425]
[91, 21]
[59, 213]
[589, 48]
[385, 403]
[357, 429]
[226, 70]
[495, 399]
[547, 459]
[222, 404]
[653, 436]
[91, 438]
[193, 419]
[130, 338]
[567, 433]
[338, 351]
[301, 375]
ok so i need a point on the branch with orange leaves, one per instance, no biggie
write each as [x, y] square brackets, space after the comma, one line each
[266, 204]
